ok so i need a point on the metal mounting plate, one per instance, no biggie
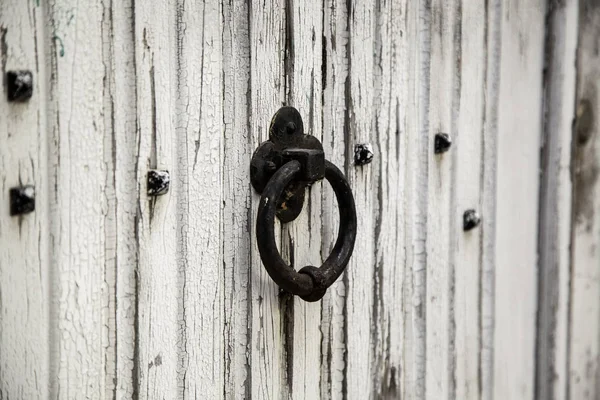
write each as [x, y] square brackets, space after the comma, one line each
[288, 141]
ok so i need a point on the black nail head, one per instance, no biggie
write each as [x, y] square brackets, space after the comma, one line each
[471, 220]
[22, 200]
[19, 85]
[442, 143]
[363, 154]
[158, 182]
[290, 128]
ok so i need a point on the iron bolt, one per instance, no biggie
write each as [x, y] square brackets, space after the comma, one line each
[19, 85]
[471, 219]
[363, 154]
[290, 128]
[22, 200]
[158, 182]
[442, 143]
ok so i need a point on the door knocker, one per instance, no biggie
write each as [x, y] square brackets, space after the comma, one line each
[281, 169]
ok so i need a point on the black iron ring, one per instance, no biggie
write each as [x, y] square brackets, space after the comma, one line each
[310, 283]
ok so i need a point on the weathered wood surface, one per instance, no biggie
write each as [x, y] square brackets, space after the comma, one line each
[25, 286]
[552, 364]
[584, 329]
[81, 231]
[106, 292]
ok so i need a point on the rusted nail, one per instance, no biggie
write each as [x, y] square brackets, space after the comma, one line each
[363, 154]
[471, 219]
[158, 182]
[22, 200]
[442, 143]
[19, 85]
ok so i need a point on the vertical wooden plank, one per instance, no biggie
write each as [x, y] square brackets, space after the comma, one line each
[333, 305]
[237, 245]
[24, 273]
[415, 205]
[160, 319]
[360, 273]
[121, 193]
[555, 202]
[267, 90]
[79, 313]
[199, 161]
[584, 357]
[302, 237]
[390, 72]
[488, 207]
[516, 216]
[438, 98]
[465, 253]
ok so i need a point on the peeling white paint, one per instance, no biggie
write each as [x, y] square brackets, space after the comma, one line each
[106, 292]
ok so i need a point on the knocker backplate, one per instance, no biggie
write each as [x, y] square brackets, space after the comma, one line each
[286, 136]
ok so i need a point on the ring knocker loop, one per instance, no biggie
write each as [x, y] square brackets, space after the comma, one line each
[281, 169]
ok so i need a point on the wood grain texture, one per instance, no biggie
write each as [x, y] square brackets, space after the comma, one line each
[236, 193]
[439, 98]
[269, 309]
[334, 83]
[584, 327]
[390, 96]
[555, 202]
[415, 201]
[120, 144]
[106, 292]
[24, 250]
[489, 192]
[301, 239]
[516, 209]
[77, 180]
[200, 160]
[467, 176]
[160, 320]
[360, 273]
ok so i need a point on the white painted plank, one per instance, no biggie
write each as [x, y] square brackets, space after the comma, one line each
[415, 202]
[439, 95]
[121, 194]
[489, 190]
[172, 90]
[267, 91]
[390, 85]
[24, 273]
[555, 202]
[517, 184]
[199, 161]
[360, 273]
[584, 357]
[237, 245]
[335, 69]
[160, 320]
[79, 314]
[302, 237]
[465, 252]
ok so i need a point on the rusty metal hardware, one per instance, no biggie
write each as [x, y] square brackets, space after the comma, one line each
[19, 85]
[22, 200]
[281, 169]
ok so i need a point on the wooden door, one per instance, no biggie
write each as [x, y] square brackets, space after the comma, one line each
[109, 292]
